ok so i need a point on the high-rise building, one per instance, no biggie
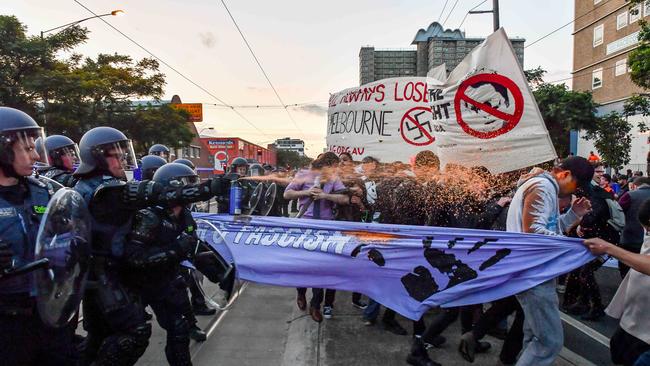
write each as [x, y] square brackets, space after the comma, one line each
[289, 144]
[605, 31]
[433, 47]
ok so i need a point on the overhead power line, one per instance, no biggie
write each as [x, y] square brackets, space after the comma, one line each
[224, 104]
[442, 11]
[466, 14]
[563, 26]
[450, 12]
[259, 64]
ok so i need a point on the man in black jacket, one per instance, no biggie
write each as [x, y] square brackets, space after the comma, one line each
[632, 235]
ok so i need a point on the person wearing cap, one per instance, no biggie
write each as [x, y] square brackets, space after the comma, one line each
[535, 209]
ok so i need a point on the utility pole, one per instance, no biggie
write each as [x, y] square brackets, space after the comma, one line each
[495, 14]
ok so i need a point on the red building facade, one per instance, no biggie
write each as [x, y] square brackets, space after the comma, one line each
[222, 150]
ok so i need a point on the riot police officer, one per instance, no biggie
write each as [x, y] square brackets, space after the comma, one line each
[160, 150]
[24, 339]
[113, 315]
[63, 156]
[186, 162]
[161, 238]
[238, 168]
[150, 164]
[256, 170]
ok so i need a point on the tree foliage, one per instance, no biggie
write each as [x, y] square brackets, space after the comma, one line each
[70, 95]
[292, 159]
[564, 110]
[612, 138]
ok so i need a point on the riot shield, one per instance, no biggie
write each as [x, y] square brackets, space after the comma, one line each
[214, 260]
[268, 200]
[54, 185]
[64, 240]
[254, 199]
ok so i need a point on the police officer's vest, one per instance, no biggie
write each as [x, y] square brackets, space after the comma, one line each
[59, 175]
[109, 225]
[19, 227]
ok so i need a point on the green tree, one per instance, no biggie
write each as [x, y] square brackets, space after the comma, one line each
[612, 138]
[71, 95]
[564, 110]
[292, 159]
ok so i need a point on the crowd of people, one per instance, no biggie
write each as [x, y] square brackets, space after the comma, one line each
[143, 229]
[576, 197]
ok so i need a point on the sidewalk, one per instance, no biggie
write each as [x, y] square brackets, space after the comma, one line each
[265, 328]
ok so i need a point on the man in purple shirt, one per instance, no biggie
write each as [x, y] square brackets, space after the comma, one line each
[316, 190]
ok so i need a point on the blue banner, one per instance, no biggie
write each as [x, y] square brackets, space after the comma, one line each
[406, 268]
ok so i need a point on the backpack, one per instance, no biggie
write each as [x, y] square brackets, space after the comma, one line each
[616, 215]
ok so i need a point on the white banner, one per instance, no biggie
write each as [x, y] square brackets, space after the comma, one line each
[485, 113]
[389, 119]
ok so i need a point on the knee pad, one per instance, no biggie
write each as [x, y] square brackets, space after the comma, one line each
[124, 348]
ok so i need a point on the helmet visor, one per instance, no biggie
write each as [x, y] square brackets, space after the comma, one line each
[26, 145]
[183, 181]
[120, 152]
[68, 156]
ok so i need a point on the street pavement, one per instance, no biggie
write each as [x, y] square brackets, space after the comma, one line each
[264, 327]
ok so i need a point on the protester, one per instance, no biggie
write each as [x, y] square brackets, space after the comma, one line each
[593, 158]
[630, 303]
[632, 236]
[582, 296]
[605, 184]
[535, 209]
[314, 188]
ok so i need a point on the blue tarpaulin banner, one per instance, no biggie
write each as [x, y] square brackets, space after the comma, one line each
[406, 268]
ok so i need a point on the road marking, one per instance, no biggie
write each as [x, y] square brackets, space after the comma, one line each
[585, 329]
[215, 322]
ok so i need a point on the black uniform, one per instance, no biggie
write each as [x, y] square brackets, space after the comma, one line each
[157, 245]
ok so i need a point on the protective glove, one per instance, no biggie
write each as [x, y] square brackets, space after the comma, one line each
[185, 245]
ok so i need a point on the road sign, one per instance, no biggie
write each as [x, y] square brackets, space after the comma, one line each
[194, 109]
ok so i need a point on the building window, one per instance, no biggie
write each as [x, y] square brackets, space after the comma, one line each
[621, 67]
[621, 20]
[597, 78]
[598, 35]
[635, 13]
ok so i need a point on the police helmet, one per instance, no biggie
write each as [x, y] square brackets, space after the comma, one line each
[185, 162]
[17, 126]
[150, 164]
[58, 148]
[95, 146]
[175, 175]
[255, 170]
[160, 150]
[236, 162]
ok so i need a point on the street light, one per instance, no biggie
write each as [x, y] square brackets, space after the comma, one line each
[65, 26]
[206, 128]
[112, 13]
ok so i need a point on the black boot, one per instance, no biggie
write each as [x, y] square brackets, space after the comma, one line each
[197, 334]
[203, 309]
[419, 355]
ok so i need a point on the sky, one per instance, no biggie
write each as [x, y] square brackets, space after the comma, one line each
[308, 49]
